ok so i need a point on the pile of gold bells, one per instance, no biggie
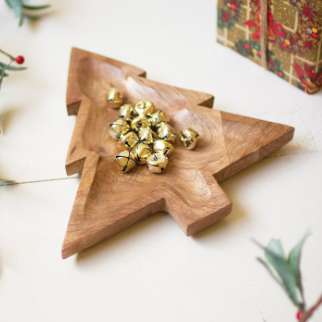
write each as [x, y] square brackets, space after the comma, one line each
[145, 134]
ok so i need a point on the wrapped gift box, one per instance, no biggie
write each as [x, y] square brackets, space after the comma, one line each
[294, 45]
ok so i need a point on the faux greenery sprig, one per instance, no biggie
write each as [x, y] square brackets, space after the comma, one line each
[5, 182]
[5, 67]
[22, 9]
[285, 270]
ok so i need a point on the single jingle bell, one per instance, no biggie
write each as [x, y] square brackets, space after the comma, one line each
[114, 98]
[126, 112]
[141, 152]
[189, 138]
[146, 135]
[164, 147]
[157, 162]
[144, 107]
[119, 128]
[128, 141]
[166, 132]
[157, 118]
[138, 122]
[125, 161]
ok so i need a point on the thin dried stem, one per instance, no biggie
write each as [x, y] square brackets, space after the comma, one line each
[307, 314]
[11, 57]
[11, 182]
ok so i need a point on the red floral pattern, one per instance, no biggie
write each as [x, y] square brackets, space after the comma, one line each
[302, 41]
[313, 82]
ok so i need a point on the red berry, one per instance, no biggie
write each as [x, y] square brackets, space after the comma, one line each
[299, 315]
[314, 35]
[233, 7]
[246, 46]
[280, 74]
[284, 45]
[20, 60]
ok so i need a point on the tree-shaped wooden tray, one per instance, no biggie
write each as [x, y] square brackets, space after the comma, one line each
[107, 200]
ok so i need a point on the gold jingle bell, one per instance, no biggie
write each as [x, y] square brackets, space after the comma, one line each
[189, 138]
[128, 141]
[138, 122]
[114, 98]
[141, 152]
[157, 118]
[146, 135]
[157, 162]
[166, 132]
[118, 128]
[126, 112]
[125, 161]
[144, 107]
[164, 147]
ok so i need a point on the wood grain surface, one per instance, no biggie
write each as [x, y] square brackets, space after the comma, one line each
[107, 200]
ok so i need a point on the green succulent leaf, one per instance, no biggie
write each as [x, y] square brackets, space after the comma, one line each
[294, 258]
[8, 67]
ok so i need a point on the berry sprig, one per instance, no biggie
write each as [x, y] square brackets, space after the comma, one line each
[22, 10]
[5, 67]
[285, 270]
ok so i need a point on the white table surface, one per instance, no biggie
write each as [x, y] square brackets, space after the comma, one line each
[151, 271]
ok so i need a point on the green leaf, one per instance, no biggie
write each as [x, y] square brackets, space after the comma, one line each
[8, 3]
[35, 7]
[21, 19]
[4, 182]
[8, 67]
[270, 271]
[16, 6]
[294, 259]
[275, 257]
[276, 247]
[3, 73]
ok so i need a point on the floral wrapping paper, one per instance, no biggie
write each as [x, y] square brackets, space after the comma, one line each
[294, 37]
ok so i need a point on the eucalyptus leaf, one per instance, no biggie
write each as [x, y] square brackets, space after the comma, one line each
[294, 258]
[8, 67]
[285, 272]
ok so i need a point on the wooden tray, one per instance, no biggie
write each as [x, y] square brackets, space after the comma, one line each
[107, 200]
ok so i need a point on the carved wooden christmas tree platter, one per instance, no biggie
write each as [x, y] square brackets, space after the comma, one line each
[108, 200]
